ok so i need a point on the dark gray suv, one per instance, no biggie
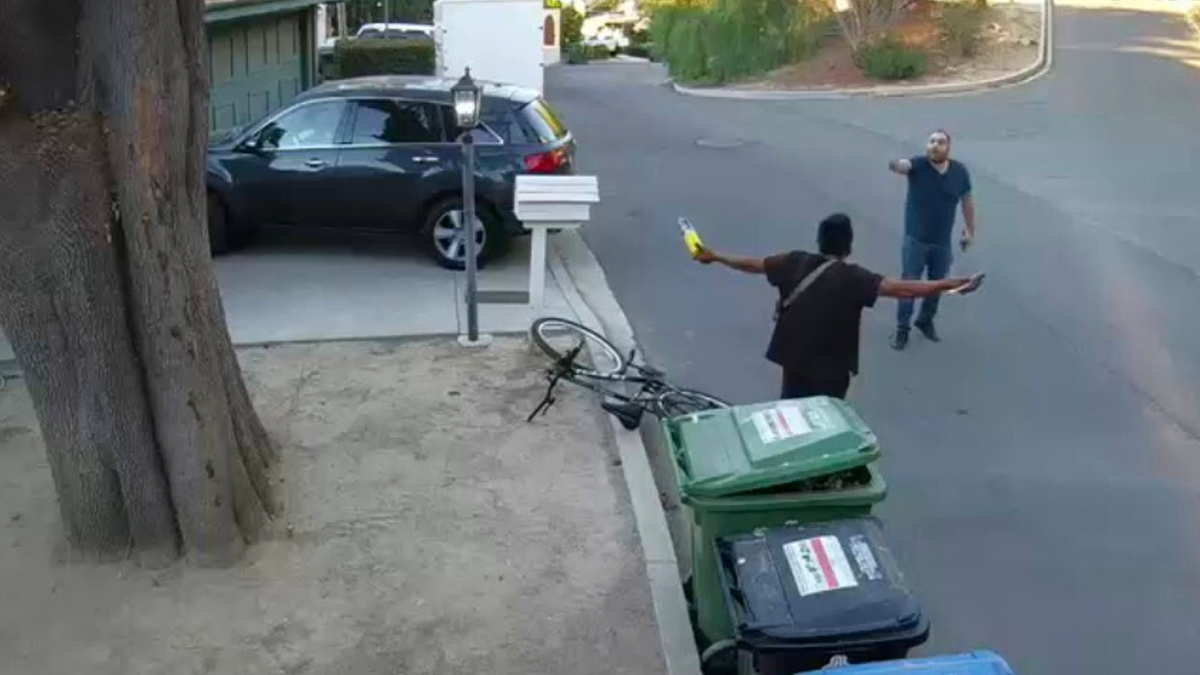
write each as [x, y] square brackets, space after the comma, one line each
[381, 154]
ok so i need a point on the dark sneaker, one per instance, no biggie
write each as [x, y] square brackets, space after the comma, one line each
[900, 339]
[927, 329]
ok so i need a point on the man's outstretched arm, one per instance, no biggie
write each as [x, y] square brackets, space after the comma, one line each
[739, 263]
[897, 288]
[900, 166]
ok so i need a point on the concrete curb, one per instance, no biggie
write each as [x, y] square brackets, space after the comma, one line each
[1030, 73]
[583, 283]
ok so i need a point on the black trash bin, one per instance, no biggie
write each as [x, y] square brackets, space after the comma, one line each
[801, 595]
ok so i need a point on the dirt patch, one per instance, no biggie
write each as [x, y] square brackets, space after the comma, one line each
[427, 529]
[1011, 37]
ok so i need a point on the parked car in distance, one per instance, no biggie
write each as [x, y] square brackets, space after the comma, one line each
[395, 30]
[382, 154]
[614, 40]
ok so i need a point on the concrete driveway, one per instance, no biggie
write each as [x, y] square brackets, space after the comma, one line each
[1044, 460]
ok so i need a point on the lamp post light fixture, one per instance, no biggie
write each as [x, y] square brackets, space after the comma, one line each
[468, 99]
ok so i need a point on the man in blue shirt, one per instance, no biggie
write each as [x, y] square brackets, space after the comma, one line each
[937, 186]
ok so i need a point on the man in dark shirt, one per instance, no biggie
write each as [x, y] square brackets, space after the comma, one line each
[937, 185]
[817, 335]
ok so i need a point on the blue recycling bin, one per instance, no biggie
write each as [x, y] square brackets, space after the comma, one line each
[972, 663]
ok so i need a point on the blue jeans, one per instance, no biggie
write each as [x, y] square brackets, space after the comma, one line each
[920, 259]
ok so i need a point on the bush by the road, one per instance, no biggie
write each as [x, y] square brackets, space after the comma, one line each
[891, 59]
[723, 40]
[960, 25]
[643, 51]
[577, 54]
[356, 58]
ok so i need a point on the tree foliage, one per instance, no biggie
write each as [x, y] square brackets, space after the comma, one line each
[572, 26]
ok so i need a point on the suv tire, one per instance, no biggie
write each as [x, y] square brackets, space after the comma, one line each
[441, 222]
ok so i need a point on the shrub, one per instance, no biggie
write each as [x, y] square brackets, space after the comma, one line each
[866, 22]
[891, 59]
[356, 58]
[577, 54]
[643, 51]
[598, 53]
[960, 26]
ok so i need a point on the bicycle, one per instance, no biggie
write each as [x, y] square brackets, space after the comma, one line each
[585, 358]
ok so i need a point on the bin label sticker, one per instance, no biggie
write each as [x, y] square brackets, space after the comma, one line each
[819, 565]
[780, 424]
[865, 558]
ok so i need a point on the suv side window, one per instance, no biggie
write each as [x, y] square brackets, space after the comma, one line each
[482, 135]
[387, 121]
[311, 125]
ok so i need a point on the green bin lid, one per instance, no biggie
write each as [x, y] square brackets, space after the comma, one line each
[756, 447]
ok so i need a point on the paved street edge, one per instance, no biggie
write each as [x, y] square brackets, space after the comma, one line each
[1030, 73]
[587, 292]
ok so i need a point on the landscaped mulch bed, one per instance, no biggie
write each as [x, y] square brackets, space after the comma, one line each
[1010, 42]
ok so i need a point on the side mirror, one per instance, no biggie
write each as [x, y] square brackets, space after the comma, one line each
[251, 145]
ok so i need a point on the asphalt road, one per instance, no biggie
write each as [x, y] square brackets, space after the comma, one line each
[1044, 460]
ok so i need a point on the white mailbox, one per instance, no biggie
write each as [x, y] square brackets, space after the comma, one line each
[545, 203]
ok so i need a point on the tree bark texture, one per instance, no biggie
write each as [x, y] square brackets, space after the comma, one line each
[107, 291]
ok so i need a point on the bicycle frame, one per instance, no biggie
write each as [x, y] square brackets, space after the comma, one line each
[650, 383]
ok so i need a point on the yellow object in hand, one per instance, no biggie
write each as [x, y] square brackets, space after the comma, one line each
[691, 238]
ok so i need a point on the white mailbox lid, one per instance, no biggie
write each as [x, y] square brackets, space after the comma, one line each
[557, 189]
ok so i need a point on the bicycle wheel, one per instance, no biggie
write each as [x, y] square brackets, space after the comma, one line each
[558, 337]
[676, 402]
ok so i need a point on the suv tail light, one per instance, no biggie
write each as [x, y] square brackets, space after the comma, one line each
[546, 162]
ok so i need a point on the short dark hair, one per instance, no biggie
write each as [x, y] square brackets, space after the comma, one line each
[835, 235]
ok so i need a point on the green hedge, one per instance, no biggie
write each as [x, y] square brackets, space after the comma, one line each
[731, 39]
[578, 54]
[356, 58]
[642, 51]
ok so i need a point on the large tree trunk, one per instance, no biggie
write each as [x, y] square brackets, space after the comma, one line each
[106, 286]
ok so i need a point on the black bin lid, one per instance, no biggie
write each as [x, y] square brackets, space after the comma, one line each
[816, 584]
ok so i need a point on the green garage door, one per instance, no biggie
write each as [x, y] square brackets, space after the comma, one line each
[255, 66]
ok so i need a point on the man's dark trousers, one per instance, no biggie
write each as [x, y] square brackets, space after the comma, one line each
[920, 259]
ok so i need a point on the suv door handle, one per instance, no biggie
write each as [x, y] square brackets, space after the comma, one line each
[426, 159]
[315, 163]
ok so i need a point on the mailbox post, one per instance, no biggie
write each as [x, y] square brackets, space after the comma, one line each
[545, 203]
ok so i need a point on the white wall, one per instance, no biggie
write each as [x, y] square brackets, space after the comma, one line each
[499, 40]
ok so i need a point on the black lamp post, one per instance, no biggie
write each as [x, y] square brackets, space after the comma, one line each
[468, 98]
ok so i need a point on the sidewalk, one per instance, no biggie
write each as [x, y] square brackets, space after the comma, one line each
[427, 530]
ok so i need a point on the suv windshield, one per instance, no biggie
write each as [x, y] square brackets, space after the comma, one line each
[543, 122]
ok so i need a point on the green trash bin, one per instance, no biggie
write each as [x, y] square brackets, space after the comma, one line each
[766, 465]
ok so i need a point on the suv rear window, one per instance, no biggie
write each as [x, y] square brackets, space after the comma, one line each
[544, 124]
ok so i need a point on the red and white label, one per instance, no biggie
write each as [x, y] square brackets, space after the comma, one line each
[819, 565]
[779, 424]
